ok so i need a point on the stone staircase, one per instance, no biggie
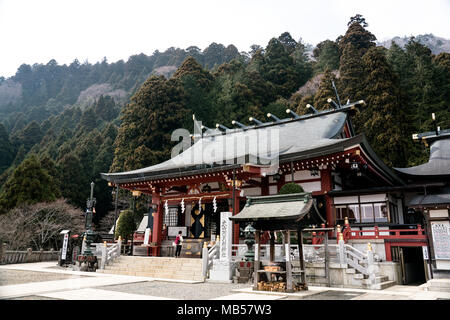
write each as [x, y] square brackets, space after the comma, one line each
[442, 285]
[345, 277]
[362, 281]
[157, 267]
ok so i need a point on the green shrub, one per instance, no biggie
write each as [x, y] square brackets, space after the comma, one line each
[291, 187]
[126, 225]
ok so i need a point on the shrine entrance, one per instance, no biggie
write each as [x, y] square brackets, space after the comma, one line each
[205, 221]
[411, 262]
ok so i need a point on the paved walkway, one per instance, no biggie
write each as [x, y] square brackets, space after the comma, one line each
[100, 286]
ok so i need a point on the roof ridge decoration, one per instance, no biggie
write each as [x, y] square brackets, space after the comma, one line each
[263, 143]
[221, 129]
[303, 196]
[430, 136]
[439, 162]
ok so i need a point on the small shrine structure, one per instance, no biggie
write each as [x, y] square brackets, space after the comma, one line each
[278, 213]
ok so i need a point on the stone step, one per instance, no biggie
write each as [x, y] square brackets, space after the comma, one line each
[379, 279]
[358, 276]
[442, 285]
[195, 262]
[160, 263]
[382, 285]
[157, 267]
[350, 270]
[149, 268]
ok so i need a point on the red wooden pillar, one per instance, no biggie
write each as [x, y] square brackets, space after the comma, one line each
[157, 222]
[264, 192]
[387, 248]
[236, 211]
[327, 185]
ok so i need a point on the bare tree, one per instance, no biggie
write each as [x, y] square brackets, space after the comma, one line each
[38, 226]
[106, 223]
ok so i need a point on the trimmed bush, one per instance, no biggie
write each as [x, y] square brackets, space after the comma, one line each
[126, 225]
[291, 187]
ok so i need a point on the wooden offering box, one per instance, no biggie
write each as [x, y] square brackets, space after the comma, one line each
[278, 286]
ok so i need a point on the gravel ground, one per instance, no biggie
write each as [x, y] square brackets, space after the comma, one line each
[10, 277]
[33, 298]
[184, 291]
[328, 295]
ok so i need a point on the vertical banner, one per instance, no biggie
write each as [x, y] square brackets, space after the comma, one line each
[287, 252]
[147, 236]
[64, 248]
[226, 235]
[425, 252]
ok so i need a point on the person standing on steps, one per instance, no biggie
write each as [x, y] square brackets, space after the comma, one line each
[178, 243]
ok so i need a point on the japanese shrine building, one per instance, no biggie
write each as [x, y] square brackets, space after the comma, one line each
[431, 200]
[318, 151]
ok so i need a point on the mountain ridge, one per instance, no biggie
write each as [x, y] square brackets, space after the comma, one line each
[434, 43]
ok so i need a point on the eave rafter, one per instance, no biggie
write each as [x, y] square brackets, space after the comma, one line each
[244, 173]
[343, 158]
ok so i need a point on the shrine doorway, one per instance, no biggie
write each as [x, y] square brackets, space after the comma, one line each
[205, 223]
[411, 262]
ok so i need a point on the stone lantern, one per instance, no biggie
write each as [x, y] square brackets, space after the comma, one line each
[249, 232]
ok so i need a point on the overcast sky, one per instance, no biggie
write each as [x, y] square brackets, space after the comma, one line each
[37, 31]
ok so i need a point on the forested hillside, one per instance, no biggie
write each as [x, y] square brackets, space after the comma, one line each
[60, 126]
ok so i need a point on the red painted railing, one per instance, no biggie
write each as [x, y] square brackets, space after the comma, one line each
[317, 238]
[376, 233]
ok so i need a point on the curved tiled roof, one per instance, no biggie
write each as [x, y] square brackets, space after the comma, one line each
[251, 145]
[437, 165]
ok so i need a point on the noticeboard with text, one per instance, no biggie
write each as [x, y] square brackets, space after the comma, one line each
[440, 231]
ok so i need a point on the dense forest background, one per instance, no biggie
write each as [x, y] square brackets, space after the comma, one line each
[61, 125]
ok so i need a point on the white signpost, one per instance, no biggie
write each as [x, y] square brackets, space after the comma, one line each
[222, 267]
[65, 244]
[64, 248]
[147, 236]
[226, 234]
[425, 252]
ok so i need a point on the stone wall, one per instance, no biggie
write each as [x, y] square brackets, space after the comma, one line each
[10, 257]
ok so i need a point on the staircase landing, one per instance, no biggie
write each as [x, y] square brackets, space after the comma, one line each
[157, 267]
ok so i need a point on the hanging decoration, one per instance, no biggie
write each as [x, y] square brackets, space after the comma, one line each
[182, 205]
[199, 205]
[214, 204]
[166, 208]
